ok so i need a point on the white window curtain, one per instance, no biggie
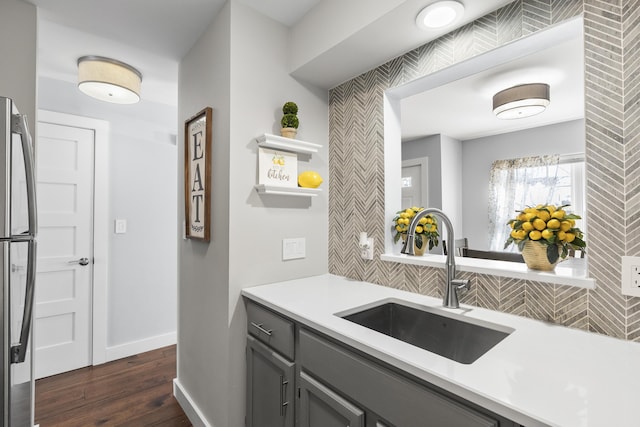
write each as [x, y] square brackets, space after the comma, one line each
[515, 184]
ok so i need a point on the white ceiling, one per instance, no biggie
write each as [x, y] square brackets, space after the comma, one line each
[153, 39]
[152, 35]
[386, 36]
[462, 109]
[163, 27]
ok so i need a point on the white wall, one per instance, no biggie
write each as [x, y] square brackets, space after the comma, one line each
[428, 147]
[445, 180]
[18, 30]
[451, 162]
[244, 78]
[258, 93]
[479, 154]
[142, 285]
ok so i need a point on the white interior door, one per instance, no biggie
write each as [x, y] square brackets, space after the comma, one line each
[415, 183]
[65, 170]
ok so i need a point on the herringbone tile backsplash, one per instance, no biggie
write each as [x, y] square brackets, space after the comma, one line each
[612, 116]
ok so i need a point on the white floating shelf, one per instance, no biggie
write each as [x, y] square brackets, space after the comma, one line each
[288, 191]
[281, 143]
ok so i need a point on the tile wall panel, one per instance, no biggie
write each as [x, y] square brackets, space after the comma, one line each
[612, 116]
[631, 58]
[606, 309]
[488, 291]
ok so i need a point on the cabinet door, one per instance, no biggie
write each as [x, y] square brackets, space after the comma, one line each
[321, 407]
[270, 387]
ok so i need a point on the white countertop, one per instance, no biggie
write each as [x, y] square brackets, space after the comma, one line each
[541, 374]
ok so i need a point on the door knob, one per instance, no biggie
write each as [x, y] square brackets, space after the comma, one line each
[81, 261]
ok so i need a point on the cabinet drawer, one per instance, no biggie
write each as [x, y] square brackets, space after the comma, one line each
[392, 396]
[270, 328]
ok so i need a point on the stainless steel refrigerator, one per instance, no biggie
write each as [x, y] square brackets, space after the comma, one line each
[18, 227]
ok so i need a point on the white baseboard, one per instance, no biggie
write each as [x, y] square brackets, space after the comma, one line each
[141, 346]
[188, 406]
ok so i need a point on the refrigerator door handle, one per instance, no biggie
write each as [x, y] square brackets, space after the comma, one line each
[19, 351]
[19, 126]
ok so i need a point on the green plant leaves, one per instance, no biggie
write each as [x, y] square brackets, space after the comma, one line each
[418, 241]
[552, 253]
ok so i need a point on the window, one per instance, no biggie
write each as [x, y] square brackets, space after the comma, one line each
[518, 183]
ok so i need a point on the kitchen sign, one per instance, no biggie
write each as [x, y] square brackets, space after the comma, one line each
[279, 168]
[197, 175]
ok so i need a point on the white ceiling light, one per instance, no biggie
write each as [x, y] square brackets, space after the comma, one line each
[109, 80]
[439, 15]
[521, 101]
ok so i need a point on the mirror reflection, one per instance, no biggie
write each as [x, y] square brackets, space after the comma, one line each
[459, 157]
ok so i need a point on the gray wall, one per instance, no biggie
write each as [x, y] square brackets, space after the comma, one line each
[18, 30]
[142, 172]
[246, 91]
[478, 155]
[203, 268]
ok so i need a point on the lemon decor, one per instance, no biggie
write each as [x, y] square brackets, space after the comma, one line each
[309, 179]
[426, 231]
[545, 234]
[289, 121]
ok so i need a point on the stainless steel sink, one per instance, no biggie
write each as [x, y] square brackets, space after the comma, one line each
[447, 336]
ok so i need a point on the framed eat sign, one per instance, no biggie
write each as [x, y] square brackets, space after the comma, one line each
[197, 175]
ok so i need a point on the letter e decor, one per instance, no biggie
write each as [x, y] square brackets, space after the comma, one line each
[197, 175]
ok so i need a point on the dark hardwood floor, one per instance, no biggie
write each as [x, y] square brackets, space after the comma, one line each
[135, 391]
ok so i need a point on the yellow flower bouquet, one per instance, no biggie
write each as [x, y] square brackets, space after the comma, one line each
[427, 228]
[547, 225]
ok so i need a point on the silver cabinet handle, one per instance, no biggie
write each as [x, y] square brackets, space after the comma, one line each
[81, 261]
[283, 393]
[259, 327]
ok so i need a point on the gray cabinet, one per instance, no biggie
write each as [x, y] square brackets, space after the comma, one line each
[270, 387]
[327, 383]
[321, 407]
[270, 369]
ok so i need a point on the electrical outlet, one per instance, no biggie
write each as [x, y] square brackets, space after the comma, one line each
[367, 253]
[631, 276]
[635, 276]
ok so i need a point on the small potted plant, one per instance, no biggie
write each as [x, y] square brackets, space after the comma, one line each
[426, 232]
[289, 120]
[545, 234]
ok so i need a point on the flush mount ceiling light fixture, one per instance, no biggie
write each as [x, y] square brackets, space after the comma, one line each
[439, 15]
[521, 101]
[109, 80]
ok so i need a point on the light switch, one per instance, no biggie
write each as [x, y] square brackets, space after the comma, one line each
[120, 226]
[293, 248]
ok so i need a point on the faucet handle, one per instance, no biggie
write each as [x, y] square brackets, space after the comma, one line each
[461, 285]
